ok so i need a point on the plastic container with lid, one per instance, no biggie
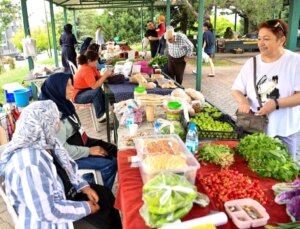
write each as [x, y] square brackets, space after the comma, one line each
[174, 111]
[138, 91]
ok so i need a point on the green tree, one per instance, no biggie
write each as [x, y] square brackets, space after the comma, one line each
[222, 24]
[8, 12]
[38, 34]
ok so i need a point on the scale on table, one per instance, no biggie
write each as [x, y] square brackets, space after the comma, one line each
[150, 101]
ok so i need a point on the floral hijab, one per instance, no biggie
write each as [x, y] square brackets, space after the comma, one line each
[36, 129]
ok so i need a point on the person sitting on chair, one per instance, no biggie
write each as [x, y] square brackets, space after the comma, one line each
[88, 153]
[87, 83]
[41, 179]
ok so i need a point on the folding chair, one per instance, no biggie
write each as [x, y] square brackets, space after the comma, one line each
[72, 67]
[97, 175]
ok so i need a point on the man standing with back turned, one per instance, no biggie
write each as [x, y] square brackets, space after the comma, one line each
[179, 49]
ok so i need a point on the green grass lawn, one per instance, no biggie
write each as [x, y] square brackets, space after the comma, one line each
[18, 75]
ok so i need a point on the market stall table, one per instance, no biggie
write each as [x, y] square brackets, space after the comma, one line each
[119, 92]
[129, 195]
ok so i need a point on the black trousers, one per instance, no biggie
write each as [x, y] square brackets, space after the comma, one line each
[153, 47]
[176, 67]
[106, 218]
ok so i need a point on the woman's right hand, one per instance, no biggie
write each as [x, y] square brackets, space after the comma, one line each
[107, 73]
[94, 207]
[244, 107]
[97, 151]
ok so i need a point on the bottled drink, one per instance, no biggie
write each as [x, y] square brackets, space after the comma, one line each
[156, 128]
[130, 116]
[191, 141]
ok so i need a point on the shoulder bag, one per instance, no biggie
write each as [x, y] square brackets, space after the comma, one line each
[250, 122]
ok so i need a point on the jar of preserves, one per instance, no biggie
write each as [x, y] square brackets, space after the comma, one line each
[138, 91]
[174, 111]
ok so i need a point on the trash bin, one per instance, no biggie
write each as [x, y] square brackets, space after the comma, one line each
[21, 97]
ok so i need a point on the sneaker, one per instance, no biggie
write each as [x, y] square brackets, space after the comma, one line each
[194, 71]
[102, 119]
[211, 75]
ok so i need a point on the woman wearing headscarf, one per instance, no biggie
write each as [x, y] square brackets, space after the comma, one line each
[41, 179]
[88, 153]
[68, 41]
[86, 43]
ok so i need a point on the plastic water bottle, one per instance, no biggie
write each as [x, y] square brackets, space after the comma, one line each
[130, 116]
[191, 141]
[156, 128]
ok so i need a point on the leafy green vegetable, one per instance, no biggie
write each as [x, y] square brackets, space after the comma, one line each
[292, 225]
[218, 154]
[159, 60]
[268, 157]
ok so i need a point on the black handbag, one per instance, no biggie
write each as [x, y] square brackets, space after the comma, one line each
[116, 79]
[250, 122]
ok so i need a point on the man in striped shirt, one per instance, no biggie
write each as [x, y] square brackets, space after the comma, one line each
[179, 49]
[41, 179]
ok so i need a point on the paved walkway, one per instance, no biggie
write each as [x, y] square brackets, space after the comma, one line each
[215, 89]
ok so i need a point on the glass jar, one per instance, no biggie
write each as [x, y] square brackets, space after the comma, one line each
[138, 91]
[174, 111]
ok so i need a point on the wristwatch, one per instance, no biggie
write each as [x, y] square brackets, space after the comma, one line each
[277, 104]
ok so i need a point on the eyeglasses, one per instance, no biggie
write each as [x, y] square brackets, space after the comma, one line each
[278, 25]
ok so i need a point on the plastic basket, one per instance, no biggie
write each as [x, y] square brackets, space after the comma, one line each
[236, 134]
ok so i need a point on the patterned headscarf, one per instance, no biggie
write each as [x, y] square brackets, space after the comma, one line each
[36, 128]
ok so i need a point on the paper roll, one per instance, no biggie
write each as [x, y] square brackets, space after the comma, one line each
[216, 219]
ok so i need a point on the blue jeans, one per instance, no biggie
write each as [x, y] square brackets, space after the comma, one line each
[107, 167]
[95, 96]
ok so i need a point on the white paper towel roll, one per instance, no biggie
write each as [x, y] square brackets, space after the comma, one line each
[216, 219]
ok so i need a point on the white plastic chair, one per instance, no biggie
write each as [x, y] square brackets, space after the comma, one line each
[72, 67]
[96, 173]
[9, 206]
[93, 113]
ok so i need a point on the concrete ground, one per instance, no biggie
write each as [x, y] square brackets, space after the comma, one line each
[215, 89]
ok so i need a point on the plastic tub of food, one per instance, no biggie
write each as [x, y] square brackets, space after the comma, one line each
[246, 213]
[161, 153]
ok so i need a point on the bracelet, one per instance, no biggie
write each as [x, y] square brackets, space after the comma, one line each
[276, 104]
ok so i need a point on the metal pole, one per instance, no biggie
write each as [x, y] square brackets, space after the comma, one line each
[65, 15]
[48, 34]
[152, 11]
[53, 33]
[74, 24]
[199, 46]
[142, 22]
[26, 29]
[168, 12]
[294, 14]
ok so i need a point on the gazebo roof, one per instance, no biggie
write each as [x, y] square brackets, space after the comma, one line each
[102, 4]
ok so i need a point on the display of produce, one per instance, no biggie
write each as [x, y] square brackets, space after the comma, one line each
[213, 129]
[212, 111]
[219, 154]
[268, 157]
[159, 60]
[161, 153]
[230, 185]
[246, 213]
[289, 194]
[172, 127]
[167, 197]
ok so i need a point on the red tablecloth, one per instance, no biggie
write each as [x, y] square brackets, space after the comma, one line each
[129, 196]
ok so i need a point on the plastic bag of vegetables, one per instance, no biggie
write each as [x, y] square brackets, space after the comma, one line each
[168, 192]
[167, 197]
[157, 220]
[172, 127]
